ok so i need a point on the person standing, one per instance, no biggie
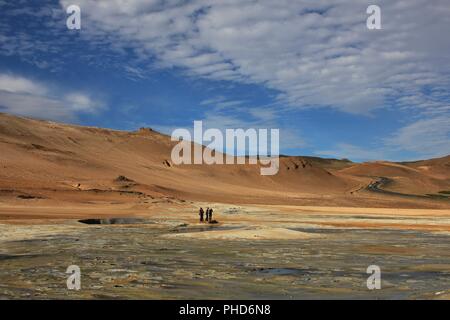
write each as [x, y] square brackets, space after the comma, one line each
[210, 214]
[207, 214]
[201, 212]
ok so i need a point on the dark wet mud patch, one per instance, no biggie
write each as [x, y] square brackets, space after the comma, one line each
[4, 257]
[28, 197]
[281, 271]
[417, 275]
[35, 241]
[109, 221]
[308, 272]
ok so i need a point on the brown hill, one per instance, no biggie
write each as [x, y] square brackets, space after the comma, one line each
[54, 161]
[415, 178]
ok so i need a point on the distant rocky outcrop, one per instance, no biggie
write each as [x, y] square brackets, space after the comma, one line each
[123, 179]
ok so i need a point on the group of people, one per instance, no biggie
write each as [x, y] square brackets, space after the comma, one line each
[208, 214]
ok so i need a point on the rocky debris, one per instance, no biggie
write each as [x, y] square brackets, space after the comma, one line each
[145, 131]
[234, 210]
[123, 179]
[28, 197]
[301, 163]
[167, 163]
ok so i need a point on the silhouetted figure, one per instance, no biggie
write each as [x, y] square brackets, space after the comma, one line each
[210, 215]
[201, 212]
[207, 214]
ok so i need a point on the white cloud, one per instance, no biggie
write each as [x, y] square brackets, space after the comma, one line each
[316, 54]
[34, 106]
[28, 97]
[80, 102]
[14, 84]
[426, 137]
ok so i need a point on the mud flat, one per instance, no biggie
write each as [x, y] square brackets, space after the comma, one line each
[300, 256]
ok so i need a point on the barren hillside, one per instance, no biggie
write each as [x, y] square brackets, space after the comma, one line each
[44, 161]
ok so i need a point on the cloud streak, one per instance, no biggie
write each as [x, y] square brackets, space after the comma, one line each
[27, 97]
[426, 138]
[313, 54]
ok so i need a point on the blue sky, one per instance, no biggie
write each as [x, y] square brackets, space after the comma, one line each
[312, 69]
